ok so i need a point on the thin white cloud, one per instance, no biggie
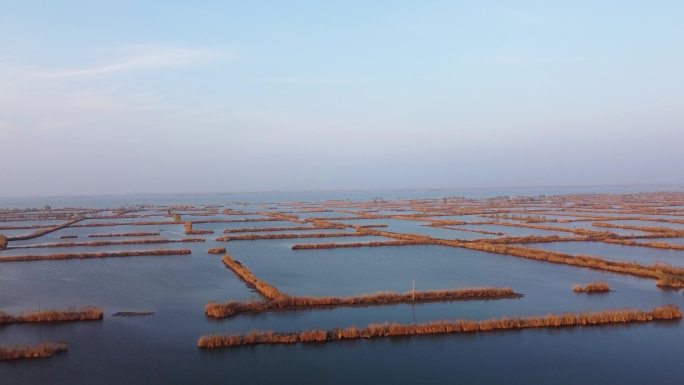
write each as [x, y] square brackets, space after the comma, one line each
[142, 58]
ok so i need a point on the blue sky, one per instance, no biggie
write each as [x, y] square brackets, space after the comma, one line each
[115, 97]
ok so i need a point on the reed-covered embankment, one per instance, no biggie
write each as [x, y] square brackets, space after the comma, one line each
[110, 243]
[187, 227]
[134, 223]
[592, 288]
[532, 239]
[322, 224]
[670, 281]
[42, 350]
[44, 231]
[217, 250]
[88, 313]
[264, 288]
[254, 237]
[607, 317]
[288, 303]
[269, 229]
[655, 245]
[665, 230]
[577, 231]
[420, 238]
[138, 234]
[24, 227]
[314, 246]
[51, 257]
[199, 232]
[279, 216]
[667, 276]
[674, 275]
[484, 232]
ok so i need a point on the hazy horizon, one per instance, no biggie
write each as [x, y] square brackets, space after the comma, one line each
[128, 98]
[361, 193]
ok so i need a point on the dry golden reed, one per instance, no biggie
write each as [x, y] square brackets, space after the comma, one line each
[42, 350]
[675, 275]
[88, 313]
[49, 257]
[229, 309]
[44, 231]
[591, 288]
[139, 234]
[307, 246]
[113, 243]
[384, 330]
[268, 229]
[656, 245]
[264, 288]
[253, 237]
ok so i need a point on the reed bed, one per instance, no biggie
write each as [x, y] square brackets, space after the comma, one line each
[607, 317]
[533, 239]
[138, 234]
[229, 309]
[88, 313]
[253, 237]
[25, 227]
[51, 257]
[471, 230]
[647, 229]
[112, 243]
[276, 216]
[521, 218]
[264, 288]
[655, 245]
[592, 288]
[234, 212]
[400, 236]
[199, 232]
[347, 218]
[310, 246]
[592, 262]
[217, 250]
[42, 350]
[187, 227]
[444, 223]
[44, 230]
[578, 231]
[268, 229]
[323, 224]
[138, 223]
[670, 281]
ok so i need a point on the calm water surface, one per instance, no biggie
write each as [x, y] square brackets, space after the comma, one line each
[161, 348]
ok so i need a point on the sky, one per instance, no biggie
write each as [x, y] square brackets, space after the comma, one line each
[110, 97]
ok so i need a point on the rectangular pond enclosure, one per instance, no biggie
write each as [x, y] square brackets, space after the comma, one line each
[328, 281]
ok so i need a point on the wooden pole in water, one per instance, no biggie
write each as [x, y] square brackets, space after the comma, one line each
[414, 291]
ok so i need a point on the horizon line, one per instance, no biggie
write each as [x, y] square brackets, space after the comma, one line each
[342, 190]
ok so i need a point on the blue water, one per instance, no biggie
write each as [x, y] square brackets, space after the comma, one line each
[615, 252]
[161, 348]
